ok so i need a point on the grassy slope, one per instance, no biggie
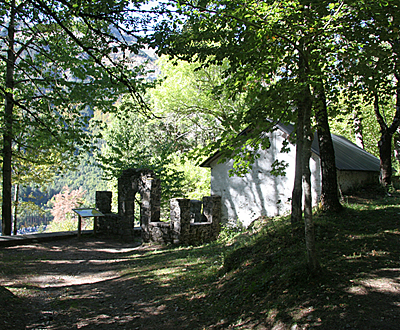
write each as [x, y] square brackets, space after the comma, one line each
[360, 256]
[258, 279]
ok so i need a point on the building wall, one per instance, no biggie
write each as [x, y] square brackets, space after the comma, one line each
[260, 193]
[349, 180]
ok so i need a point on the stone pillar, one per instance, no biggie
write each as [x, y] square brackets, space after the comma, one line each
[180, 220]
[212, 211]
[149, 187]
[127, 188]
[103, 201]
[150, 191]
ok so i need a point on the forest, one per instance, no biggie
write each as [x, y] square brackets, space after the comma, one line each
[90, 88]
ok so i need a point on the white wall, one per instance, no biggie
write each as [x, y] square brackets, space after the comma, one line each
[259, 192]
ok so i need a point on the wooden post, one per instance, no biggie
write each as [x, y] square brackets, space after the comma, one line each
[79, 225]
[87, 213]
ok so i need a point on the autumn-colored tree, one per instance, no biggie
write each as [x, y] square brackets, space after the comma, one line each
[62, 209]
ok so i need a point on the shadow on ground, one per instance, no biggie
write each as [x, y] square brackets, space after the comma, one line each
[263, 284]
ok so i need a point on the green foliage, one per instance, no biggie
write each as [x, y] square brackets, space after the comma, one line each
[279, 168]
[369, 68]
[342, 122]
[87, 175]
[69, 223]
[351, 46]
[187, 116]
[195, 181]
[187, 99]
[61, 62]
[30, 214]
[34, 199]
[133, 141]
[191, 99]
[29, 209]
[261, 47]
[279, 55]
[230, 231]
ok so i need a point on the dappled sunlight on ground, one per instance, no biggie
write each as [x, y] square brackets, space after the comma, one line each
[97, 284]
[50, 281]
[385, 280]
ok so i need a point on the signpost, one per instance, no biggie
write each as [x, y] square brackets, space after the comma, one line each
[87, 212]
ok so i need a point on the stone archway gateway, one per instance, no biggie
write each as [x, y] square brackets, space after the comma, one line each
[144, 182]
[191, 221]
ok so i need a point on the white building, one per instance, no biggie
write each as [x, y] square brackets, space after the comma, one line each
[260, 193]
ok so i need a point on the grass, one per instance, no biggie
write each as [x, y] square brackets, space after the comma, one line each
[258, 278]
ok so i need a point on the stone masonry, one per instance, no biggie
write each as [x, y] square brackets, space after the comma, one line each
[191, 221]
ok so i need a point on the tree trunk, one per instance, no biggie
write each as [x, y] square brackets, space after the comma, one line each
[358, 129]
[308, 136]
[8, 127]
[297, 193]
[329, 190]
[16, 198]
[312, 259]
[304, 107]
[396, 133]
[384, 146]
[385, 155]
[396, 138]
[385, 141]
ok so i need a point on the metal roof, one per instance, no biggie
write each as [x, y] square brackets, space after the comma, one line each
[348, 156]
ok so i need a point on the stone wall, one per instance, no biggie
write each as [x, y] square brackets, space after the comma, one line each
[183, 227]
[191, 221]
[148, 186]
[111, 224]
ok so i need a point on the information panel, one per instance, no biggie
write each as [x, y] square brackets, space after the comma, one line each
[88, 212]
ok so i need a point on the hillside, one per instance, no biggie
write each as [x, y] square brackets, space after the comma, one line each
[253, 279]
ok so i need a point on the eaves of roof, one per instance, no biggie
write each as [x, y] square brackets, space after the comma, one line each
[348, 156]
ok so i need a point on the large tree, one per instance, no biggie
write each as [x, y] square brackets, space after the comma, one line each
[329, 189]
[277, 53]
[136, 141]
[371, 67]
[60, 59]
[186, 97]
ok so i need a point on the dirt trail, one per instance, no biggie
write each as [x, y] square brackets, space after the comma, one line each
[105, 284]
[72, 284]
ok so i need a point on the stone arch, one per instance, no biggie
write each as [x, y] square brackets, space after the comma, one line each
[148, 185]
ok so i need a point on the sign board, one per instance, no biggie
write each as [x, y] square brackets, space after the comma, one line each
[88, 212]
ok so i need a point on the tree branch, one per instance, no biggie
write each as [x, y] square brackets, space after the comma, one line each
[121, 78]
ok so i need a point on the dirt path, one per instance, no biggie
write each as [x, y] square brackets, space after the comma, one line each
[72, 284]
[105, 284]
